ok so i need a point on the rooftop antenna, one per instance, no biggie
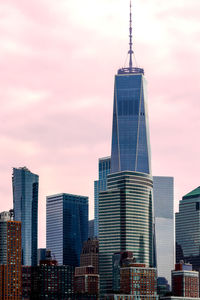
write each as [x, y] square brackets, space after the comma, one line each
[130, 52]
[130, 69]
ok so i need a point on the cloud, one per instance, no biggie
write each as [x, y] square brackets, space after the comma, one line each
[58, 60]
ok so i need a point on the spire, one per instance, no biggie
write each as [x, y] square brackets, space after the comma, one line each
[130, 69]
[130, 52]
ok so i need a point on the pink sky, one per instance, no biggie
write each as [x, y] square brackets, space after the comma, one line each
[57, 64]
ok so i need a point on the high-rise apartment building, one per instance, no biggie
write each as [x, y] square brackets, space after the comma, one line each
[100, 185]
[125, 208]
[66, 227]
[163, 196]
[10, 257]
[25, 202]
[188, 229]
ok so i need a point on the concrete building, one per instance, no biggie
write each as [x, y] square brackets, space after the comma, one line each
[163, 196]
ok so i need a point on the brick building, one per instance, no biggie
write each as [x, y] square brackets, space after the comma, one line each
[185, 282]
[10, 257]
[86, 281]
[90, 254]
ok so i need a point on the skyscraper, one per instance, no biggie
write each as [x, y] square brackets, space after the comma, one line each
[125, 208]
[67, 227]
[125, 221]
[25, 202]
[188, 229]
[130, 131]
[10, 257]
[163, 195]
[100, 185]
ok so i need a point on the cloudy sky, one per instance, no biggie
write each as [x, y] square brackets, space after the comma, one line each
[57, 64]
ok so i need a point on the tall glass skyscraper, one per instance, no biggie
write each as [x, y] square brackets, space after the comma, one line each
[188, 229]
[25, 202]
[126, 207]
[100, 185]
[66, 227]
[130, 132]
[163, 196]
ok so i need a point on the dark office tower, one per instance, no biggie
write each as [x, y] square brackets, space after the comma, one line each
[100, 185]
[67, 227]
[130, 129]
[25, 202]
[10, 257]
[163, 196]
[188, 229]
[41, 254]
[91, 229]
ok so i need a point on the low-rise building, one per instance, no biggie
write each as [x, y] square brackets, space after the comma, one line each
[185, 282]
[86, 282]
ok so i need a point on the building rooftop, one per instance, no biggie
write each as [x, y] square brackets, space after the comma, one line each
[193, 194]
[130, 71]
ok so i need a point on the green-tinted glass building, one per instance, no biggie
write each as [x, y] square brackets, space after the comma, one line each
[125, 221]
[188, 229]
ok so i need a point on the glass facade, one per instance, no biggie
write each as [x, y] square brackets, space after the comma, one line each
[66, 227]
[188, 229]
[100, 185]
[125, 221]
[163, 195]
[130, 131]
[25, 202]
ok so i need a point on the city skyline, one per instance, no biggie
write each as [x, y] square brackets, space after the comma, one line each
[43, 110]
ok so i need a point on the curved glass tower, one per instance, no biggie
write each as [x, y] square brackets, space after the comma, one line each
[125, 221]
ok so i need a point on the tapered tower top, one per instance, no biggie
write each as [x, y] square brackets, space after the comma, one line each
[130, 68]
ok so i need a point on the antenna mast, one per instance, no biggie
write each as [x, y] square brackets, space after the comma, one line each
[130, 69]
[130, 52]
